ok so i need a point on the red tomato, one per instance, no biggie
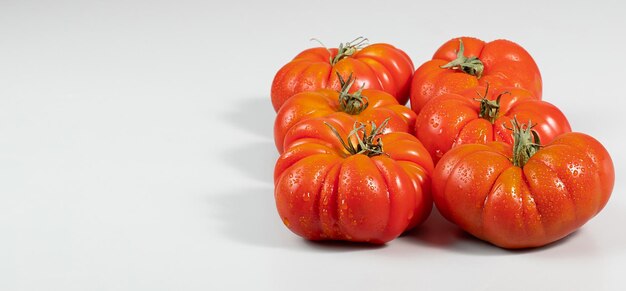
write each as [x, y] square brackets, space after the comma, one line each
[367, 191]
[527, 196]
[453, 119]
[365, 106]
[466, 62]
[378, 66]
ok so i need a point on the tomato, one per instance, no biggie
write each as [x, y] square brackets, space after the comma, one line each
[466, 62]
[369, 188]
[365, 106]
[453, 119]
[526, 196]
[378, 66]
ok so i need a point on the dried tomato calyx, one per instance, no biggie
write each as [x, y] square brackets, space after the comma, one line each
[345, 50]
[471, 65]
[351, 103]
[525, 142]
[489, 109]
[368, 144]
[348, 49]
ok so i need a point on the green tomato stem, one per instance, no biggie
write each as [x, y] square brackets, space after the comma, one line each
[525, 142]
[489, 109]
[368, 144]
[472, 65]
[354, 103]
[348, 49]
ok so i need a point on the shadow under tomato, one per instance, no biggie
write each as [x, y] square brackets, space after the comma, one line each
[254, 115]
[255, 160]
[248, 216]
[342, 246]
[437, 232]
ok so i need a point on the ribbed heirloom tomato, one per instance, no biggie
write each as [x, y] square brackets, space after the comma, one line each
[527, 196]
[466, 62]
[364, 106]
[369, 188]
[454, 119]
[378, 66]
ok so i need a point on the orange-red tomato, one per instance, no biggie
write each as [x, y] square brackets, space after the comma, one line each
[524, 197]
[378, 66]
[454, 119]
[501, 63]
[364, 106]
[325, 192]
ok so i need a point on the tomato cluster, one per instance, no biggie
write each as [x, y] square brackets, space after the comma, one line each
[478, 142]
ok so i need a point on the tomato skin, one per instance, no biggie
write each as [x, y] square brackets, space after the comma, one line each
[378, 66]
[324, 103]
[453, 119]
[506, 64]
[559, 189]
[322, 193]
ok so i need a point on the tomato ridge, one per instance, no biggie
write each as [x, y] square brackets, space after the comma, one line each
[316, 204]
[381, 169]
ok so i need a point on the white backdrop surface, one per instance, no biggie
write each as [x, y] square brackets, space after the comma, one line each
[136, 148]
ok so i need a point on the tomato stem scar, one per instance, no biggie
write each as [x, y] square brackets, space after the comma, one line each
[354, 103]
[525, 142]
[472, 65]
[489, 109]
[345, 50]
[368, 144]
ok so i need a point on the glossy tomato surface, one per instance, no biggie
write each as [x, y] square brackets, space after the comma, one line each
[324, 193]
[454, 119]
[558, 189]
[378, 66]
[505, 64]
[325, 103]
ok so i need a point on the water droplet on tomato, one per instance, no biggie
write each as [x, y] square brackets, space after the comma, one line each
[575, 169]
[438, 153]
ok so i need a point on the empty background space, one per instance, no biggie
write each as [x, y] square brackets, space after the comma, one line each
[136, 147]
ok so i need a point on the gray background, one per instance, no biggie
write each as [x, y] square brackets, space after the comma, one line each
[136, 148]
